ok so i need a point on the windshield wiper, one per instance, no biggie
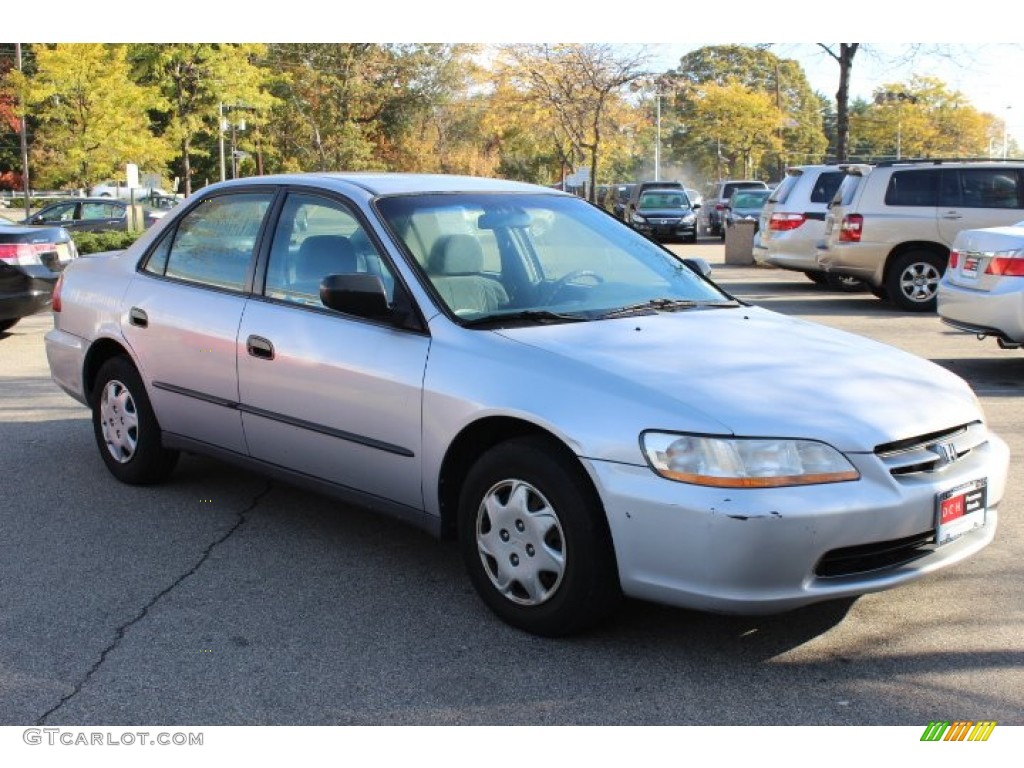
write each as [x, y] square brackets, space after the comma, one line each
[666, 305]
[526, 315]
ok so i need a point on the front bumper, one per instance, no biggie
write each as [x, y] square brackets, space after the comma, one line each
[687, 230]
[754, 551]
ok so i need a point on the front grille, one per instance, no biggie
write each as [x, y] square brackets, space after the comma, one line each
[931, 452]
[865, 558]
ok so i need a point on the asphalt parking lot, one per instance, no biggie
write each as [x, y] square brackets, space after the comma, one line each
[222, 598]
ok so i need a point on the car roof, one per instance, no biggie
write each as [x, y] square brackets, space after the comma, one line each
[379, 183]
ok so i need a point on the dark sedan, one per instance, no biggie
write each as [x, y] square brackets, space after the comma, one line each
[744, 204]
[31, 258]
[93, 215]
[665, 214]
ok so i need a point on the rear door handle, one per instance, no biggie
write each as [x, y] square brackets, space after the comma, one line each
[259, 347]
[138, 317]
[952, 215]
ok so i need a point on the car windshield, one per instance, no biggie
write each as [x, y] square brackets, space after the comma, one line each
[749, 199]
[538, 258]
[662, 199]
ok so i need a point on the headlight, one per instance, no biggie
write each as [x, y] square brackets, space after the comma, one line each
[726, 462]
[638, 219]
[689, 218]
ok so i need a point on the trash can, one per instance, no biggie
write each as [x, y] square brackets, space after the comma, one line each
[739, 242]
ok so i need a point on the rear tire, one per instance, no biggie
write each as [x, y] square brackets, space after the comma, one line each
[8, 324]
[818, 278]
[535, 540]
[913, 280]
[126, 429]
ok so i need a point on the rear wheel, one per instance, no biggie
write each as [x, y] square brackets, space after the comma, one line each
[7, 324]
[535, 540]
[819, 278]
[126, 430]
[913, 280]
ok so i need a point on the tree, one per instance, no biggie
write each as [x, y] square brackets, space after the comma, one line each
[843, 56]
[348, 106]
[92, 118]
[796, 119]
[196, 79]
[743, 123]
[577, 87]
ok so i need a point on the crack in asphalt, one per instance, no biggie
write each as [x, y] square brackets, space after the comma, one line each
[122, 630]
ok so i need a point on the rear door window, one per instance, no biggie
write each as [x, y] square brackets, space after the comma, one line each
[213, 244]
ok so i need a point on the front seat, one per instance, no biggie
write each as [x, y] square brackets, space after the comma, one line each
[454, 268]
[319, 256]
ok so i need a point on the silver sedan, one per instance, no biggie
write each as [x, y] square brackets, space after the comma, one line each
[589, 415]
[982, 290]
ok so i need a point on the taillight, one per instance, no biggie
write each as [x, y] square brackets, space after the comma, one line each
[851, 228]
[55, 303]
[19, 253]
[1009, 266]
[783, 222]
[954, 259]
[719, 206]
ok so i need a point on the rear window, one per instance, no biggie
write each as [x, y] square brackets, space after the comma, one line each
[733, 186]
[847, 189]
[785, 187]
[913, 188]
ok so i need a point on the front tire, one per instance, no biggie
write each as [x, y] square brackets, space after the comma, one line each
[913, 280]
[126, 429]
[534, 539]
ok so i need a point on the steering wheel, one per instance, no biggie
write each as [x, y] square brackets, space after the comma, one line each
[570, 277]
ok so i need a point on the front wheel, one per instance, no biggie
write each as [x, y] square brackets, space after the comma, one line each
[126, 429]
[913, 280]
[535, 540]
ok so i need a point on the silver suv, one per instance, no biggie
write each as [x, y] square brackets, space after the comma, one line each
[892, 225]
[792, 223]
[713, 209]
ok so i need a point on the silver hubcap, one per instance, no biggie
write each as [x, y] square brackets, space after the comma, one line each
[520, 541]
[920, 281]
[119, 421]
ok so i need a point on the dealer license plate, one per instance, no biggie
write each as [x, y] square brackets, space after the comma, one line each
[960, 510]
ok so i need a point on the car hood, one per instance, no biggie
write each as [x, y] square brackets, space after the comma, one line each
[665, 212]
[763, 375]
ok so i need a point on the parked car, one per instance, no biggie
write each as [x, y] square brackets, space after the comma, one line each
[892, 225]
[622, 194]
[696, 198]
[792, 223]
[583, 411]
[112, 188]
[982, 289]
[744, 204]
[639, 188]
[92, 215]
[665, 214]
[713, 210]
[30, 260]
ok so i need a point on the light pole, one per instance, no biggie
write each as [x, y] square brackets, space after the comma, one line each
[887, 97]
[222, 125]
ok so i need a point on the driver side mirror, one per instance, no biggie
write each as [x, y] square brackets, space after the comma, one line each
[361, 295]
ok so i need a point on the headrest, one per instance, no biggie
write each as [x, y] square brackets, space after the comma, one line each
[456, 255]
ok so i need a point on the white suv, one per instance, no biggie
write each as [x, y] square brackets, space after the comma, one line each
[793, 222]
[892, 225]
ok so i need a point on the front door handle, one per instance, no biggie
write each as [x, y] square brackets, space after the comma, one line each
[952, 215]
[259, 347]
[138, 317]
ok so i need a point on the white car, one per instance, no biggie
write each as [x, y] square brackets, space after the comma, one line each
[124, 192]
[587, 413]
[982, 291]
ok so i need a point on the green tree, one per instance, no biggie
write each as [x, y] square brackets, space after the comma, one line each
[196, 81]
[349, 106]
[92, 119]
[796, 123]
